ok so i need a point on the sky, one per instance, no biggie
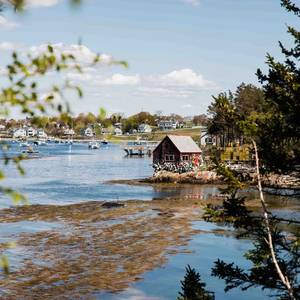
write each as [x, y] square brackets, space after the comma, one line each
[180, 52]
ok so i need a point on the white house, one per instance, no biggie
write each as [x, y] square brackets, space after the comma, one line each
[168, 124]
[89, 132]
[40, 133]
[30, 131]
[106, 131]
[118, 131]
[205, 138]
[144, 128]
[19, 133]
[2, 127]
[69, 131]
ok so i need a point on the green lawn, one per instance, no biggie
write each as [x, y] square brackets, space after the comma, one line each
[159, 135]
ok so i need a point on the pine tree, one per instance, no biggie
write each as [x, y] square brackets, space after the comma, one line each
[193, 288]
[279, 135]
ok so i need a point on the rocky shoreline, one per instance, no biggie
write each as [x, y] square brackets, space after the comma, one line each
[200, 177]
[285, 185]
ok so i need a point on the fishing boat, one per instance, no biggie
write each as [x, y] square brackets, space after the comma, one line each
[104, 142]
[94, 145]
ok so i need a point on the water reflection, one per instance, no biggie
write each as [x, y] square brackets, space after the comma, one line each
[206, 248]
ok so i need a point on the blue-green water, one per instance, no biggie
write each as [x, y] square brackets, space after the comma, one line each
[164, 282]
[68, 174]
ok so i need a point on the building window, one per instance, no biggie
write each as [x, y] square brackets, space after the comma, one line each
[185, 157]
[169, 157]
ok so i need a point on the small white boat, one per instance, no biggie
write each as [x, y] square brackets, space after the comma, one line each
[69, 142]
[24, 144]
[41, 142]
[94, 145]
[30, 150]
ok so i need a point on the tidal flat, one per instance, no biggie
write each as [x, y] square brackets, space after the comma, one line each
[92, 248]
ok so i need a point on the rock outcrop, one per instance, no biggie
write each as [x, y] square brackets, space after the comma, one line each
[291, 181]
[200, 177]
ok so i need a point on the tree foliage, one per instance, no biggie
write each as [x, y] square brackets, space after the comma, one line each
[269, 115]
[279, 137]
[192, 288]
[262, 272]
[273, 123]
[23, 93]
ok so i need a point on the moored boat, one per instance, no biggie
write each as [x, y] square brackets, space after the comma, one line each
[94, 145]
[69, 142]
[30, 150]
[24, 144]
[40, 142]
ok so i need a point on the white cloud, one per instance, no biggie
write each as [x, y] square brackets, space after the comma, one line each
[119, 79]
[135, 294]
[79, 76]
[184, 78]
[192, 2]
[96, 79]
[9, 46]
[178, 83]
[6, 24]
[83, 55]
[187, 105]
[45, 3]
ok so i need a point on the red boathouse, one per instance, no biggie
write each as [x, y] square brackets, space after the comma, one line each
[176, 149]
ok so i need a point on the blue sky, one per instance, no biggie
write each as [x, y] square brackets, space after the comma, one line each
[180, 52]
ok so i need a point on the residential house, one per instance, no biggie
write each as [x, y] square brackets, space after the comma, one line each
[40, 133]
[167, 124]
[144, 128]
[89, 132]
[206, 139]
[68, 131]
[106, 131]
[19, 133]
[117, 131]
[30, 132]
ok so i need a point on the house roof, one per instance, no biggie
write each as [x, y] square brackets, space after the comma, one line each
[185, 144]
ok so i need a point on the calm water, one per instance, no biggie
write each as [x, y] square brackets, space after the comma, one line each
[68, 174]
[164, 283]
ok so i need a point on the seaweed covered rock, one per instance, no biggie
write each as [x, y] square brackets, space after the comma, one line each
[112, 204]
[198, 177]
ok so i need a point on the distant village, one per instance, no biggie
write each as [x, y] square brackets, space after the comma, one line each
[146, 126]
[89, 126]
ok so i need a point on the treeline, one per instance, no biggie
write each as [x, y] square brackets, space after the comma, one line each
[267, 115]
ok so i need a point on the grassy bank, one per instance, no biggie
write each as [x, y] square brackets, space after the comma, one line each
[158, 135]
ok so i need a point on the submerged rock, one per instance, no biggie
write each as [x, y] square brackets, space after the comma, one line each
[112, 204]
